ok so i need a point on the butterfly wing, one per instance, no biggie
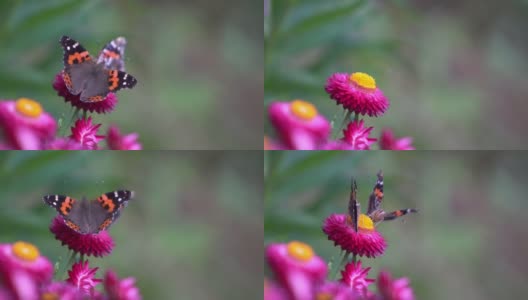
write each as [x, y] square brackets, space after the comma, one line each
[113, 54]
[398, 213]
[112, 204]
[353, 205]
[65, 207]
[376, 196]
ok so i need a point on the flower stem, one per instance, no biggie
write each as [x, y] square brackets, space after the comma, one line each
[69, 264]
[343, 261]
[345, 120]
[354, 258]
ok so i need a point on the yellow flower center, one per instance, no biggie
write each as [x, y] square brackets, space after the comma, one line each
[324, 296]
[25, 251]
[28, 107]
[365, 222]
[50, 296]
[364, 80]
[303, 109]
[300, 251]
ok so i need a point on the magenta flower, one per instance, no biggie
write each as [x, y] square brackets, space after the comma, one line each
[394, 289]
[101, 107]
[16, 283]
[26, 258]
[356, 278]
[336, 291]
[296, 267]
[357, 93]
[357, 136]
[64, 144]
[272, 291]
[63, 291]
[83, 278]
[100, 244]
[120, 289]
[117, 141]
[389, 142]
[366, 242]
[25, 124]
[299, 125]
[85, 133]
[336, 145]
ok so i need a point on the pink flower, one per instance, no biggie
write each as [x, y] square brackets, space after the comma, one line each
[356, 277]
[62, 291]
[64, 144]
[100, 244]
[104, 106]
[272, 291]
[357, 136]
[15, 282]
[117, 141]
[83, 278]
[366, 242]
[390, 289]
[299, 126]
[336, 291]
[358, 93]
[26, 257]
[121, 289]
[389, 142]
[296, 267]
[85, 133]
[25, 124]
[336, 145]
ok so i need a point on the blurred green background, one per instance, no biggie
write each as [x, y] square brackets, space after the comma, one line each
[196, 215]
[454, 71]
[467, 242]
[198, 65]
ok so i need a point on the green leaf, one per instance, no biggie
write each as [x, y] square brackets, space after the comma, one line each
[316, 14]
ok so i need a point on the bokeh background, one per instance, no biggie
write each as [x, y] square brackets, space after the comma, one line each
[196, 215]
[198, 65]
[455, 71]
[468, 240]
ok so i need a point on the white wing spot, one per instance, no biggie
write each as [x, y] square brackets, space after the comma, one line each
[67, 47]
[75, 45]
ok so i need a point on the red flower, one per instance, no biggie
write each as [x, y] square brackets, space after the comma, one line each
[357, 92]
[82, 277]
[389, 142]
[120, 289]
[394, 289]
[299, 125]
[85, 133]
[117, 141]
[26, 257]
[101, 107]
[296, 267]
[25, 124]
[366, 242]
[357, 136]
[356, 277]
[100, 244]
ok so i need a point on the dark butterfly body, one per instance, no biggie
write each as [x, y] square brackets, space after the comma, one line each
[94, 80]
[375, 212]
[92, 216]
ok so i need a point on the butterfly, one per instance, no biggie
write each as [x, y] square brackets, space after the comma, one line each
[94, 80]
[375, 212]
[93, 216]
